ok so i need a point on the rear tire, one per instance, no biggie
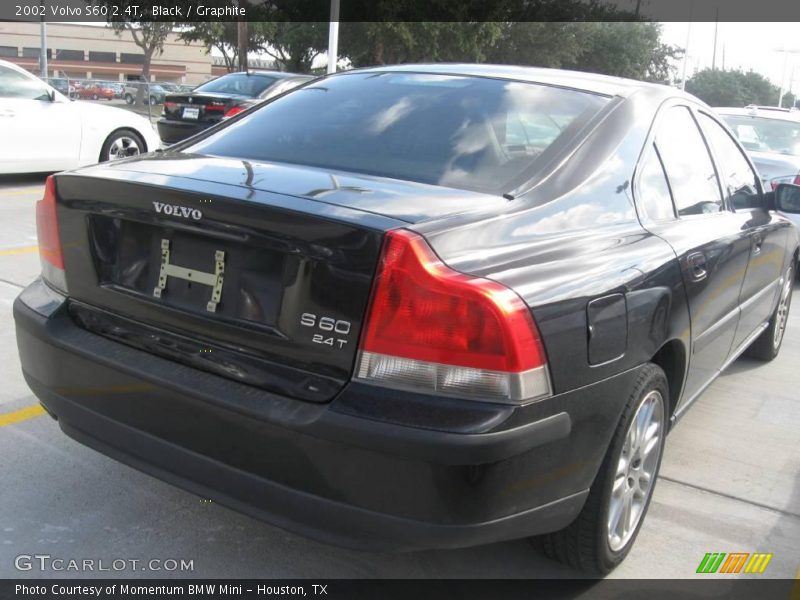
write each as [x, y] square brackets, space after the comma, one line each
[121, 144]
[767, 345]
[604, 531]
[128, 99]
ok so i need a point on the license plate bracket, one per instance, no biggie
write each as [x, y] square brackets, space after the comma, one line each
[214, 280]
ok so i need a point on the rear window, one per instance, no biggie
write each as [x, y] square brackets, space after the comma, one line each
[465, 132]
[758, 134]
[239, 84]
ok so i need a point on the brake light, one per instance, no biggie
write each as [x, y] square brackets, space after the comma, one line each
[434, 330]
[233, 111]
[170, 105]
[50, 252]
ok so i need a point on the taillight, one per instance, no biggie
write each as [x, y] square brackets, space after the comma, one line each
[233, 111]
[50, 253]
[434, 330]
[170, 105]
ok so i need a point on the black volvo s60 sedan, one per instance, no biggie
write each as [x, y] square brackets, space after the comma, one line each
[413, 307]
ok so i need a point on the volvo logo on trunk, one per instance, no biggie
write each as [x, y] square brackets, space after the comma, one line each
[184, 212]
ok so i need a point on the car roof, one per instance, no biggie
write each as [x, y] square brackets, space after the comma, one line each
[764, 112]
[589, 82]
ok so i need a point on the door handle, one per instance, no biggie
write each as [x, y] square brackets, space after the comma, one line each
[697, 266]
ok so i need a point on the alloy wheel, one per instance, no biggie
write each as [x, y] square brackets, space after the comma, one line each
[636, 469]
[123, 147]
[782, 314]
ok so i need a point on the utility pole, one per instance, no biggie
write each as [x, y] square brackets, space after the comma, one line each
[43, 49]
[716, 30]
[241, 38]
[333, 37]
[686, 56]
[783, 78]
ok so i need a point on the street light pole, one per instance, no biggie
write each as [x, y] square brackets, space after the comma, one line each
[43, 49]
[686, 55]
[333, 37]
[783, 78]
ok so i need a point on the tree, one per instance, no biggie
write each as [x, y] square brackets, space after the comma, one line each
[220, 35]
[735, 88]
[293, 45]
[378, 43]
[632, 49]
[150, 37]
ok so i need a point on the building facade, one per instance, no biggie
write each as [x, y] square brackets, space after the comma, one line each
[96, 52]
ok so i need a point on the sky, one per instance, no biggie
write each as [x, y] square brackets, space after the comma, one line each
[756, 46]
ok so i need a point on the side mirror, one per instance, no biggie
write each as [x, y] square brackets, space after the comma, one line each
[787, 198]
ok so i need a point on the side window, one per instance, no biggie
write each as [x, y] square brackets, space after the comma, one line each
[653, 191]
[17, 85]
[689, 168]
[739, 180]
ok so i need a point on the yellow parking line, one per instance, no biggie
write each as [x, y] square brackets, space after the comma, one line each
[36, 190]
[21, 250]
[21, 415]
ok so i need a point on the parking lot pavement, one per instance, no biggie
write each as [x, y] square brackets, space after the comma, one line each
[730, 482]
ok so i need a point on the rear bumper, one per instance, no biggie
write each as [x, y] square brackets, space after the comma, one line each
[171, 131]
[333, 472]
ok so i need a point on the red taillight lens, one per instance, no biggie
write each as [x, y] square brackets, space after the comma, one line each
[431, 327]
[47, 226]
[170, 105]
[233, 111]
[49, 238]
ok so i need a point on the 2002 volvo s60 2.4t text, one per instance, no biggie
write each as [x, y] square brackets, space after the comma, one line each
[414, 306]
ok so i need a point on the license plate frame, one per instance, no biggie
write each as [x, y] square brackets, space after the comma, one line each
[191, 113]
[214, 280]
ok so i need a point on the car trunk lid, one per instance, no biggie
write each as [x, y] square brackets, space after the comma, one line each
[257, 286]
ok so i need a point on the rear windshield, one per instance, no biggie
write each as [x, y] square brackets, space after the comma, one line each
[240, 84]
[465, 132]
[758, 134]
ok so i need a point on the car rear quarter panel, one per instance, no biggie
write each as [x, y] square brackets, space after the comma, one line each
[575, 238]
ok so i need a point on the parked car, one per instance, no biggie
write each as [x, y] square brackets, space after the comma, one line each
[61, 84]
[44, 131]
[425, 306]
[188, 113]
[95, 91]
[153, 93]
[772, 137]
[117, 89]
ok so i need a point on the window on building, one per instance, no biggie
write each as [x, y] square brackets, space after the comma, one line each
[8, 51]
[103, 56]
[131, 59]
[69, 54]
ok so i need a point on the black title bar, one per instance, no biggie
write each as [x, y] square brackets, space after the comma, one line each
[399, 10]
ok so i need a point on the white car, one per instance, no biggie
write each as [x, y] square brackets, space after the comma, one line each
[42, 130]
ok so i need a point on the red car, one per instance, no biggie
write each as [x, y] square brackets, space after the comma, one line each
[95, 92]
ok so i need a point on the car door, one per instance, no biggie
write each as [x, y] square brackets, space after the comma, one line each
[709, 240]
[38, 134]
[767, 238]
